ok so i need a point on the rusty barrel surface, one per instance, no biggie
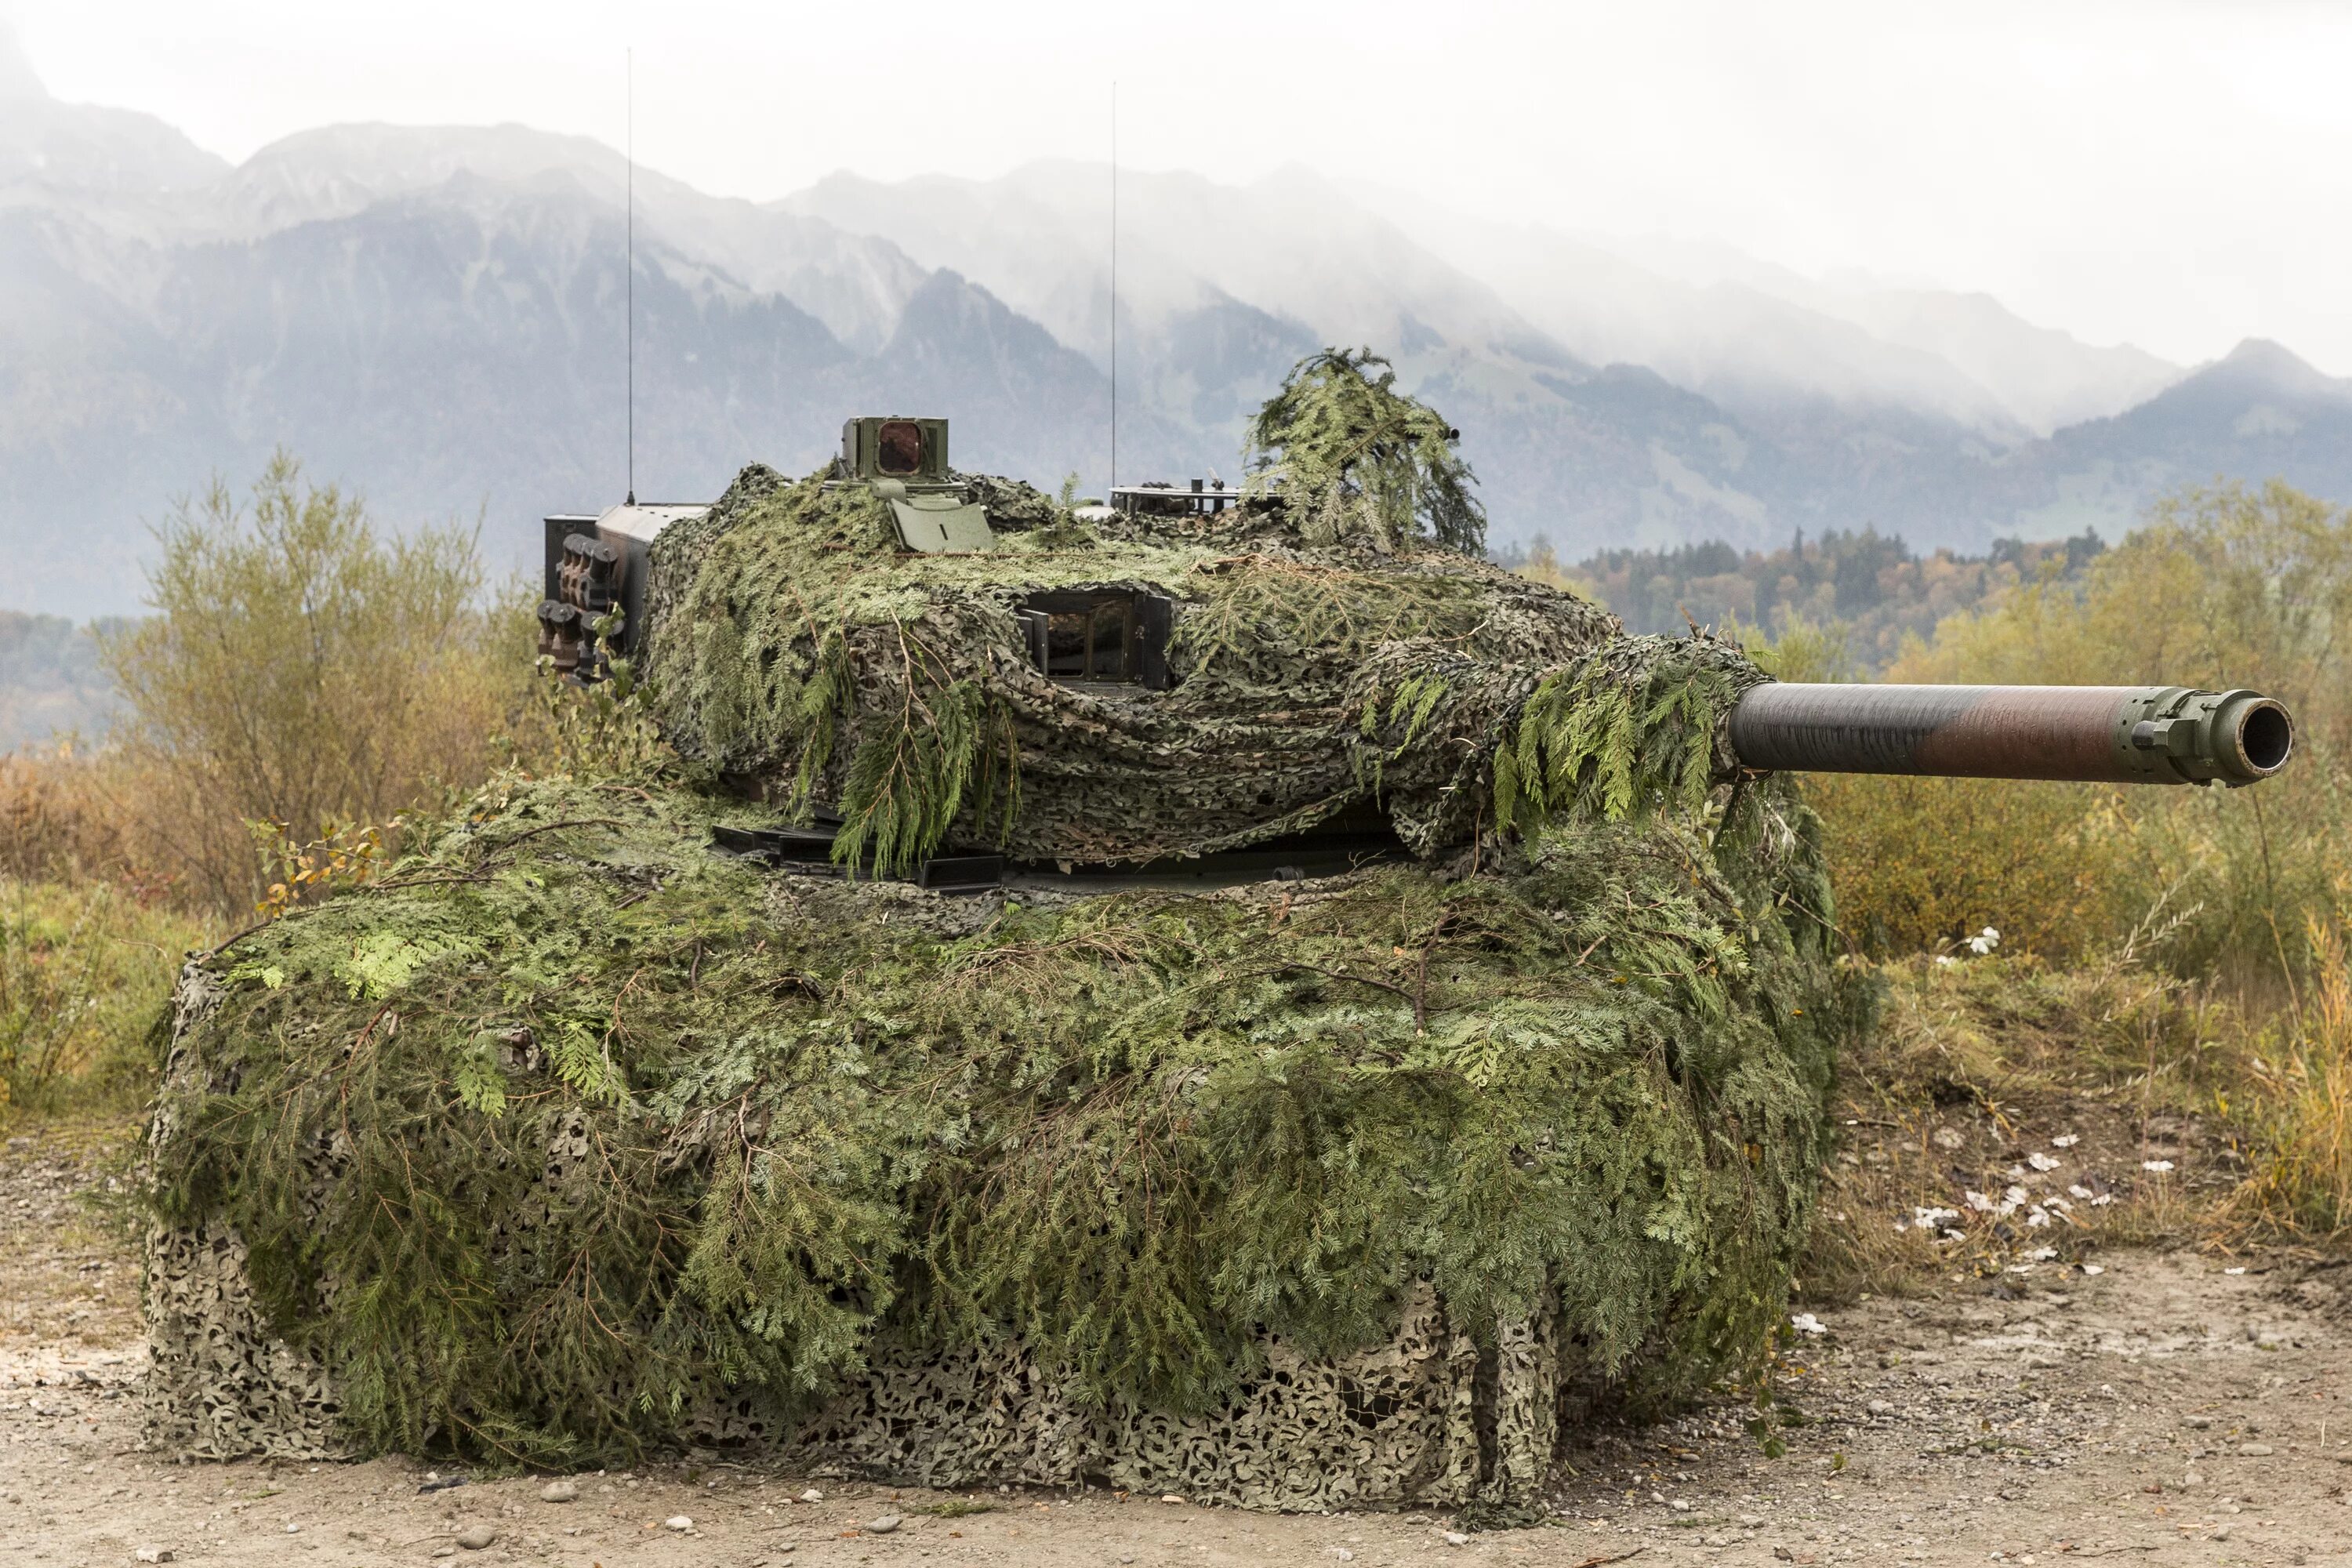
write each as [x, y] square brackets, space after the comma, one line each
[2110, 734]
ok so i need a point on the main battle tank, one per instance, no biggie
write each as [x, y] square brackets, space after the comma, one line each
[1218, 993]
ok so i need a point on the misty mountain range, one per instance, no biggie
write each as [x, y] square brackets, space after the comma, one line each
[434, 316]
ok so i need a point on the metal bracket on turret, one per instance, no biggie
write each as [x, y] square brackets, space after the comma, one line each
[930, 523]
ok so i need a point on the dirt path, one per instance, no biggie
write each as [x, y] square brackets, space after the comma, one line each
[2161, 1412]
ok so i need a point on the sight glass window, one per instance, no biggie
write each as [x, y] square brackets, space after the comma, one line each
[899, 447]
[1099, 636]
[1090, 644]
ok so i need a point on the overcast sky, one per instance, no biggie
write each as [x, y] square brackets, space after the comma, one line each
[2173, 174]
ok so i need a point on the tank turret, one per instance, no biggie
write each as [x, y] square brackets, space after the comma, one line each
[1197, 671]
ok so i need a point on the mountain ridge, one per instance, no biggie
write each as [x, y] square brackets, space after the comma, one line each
[433, 315]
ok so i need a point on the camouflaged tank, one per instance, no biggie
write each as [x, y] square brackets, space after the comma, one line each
[1222, 993]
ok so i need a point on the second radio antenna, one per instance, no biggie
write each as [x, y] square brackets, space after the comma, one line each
[1114, 289]
[629, 202]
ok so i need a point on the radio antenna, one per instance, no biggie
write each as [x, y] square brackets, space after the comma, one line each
[629, 202]
[1114, 288]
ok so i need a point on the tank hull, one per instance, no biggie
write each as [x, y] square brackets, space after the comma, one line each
[1305, 1194]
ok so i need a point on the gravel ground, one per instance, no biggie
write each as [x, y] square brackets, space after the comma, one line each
[2162, 1411]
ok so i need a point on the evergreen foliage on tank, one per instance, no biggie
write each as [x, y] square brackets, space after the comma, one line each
[795, 651]
[567, 1137]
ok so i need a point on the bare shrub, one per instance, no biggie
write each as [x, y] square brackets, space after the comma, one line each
[306, 670]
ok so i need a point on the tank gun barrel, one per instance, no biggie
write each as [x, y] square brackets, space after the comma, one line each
[2106, 734]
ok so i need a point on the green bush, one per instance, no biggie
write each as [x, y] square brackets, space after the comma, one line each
[85, 980]
[1921, 865]
[2225, 587]
[304, 669]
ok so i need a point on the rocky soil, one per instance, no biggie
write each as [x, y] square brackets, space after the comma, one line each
[2167, 1409]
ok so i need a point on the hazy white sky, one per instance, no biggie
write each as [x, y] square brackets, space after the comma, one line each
[2171, 174]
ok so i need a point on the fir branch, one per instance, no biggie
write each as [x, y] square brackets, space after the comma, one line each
[1352, 455]
[1118, 1133]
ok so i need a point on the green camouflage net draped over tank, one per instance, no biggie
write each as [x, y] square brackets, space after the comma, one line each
[572, 1138]
[794, 649]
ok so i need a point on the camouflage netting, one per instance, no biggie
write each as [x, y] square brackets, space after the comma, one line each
[570, 1137]
[794, 652]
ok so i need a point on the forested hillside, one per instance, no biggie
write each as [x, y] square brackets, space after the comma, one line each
[1873, 590]
[51, 682]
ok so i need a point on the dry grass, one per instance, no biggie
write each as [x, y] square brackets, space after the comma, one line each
[60, 816]
[2246, 1097]
[2299, 1098]
[1979, 1066]
[86, 972]
[2206, 1014]
[1920, 862]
